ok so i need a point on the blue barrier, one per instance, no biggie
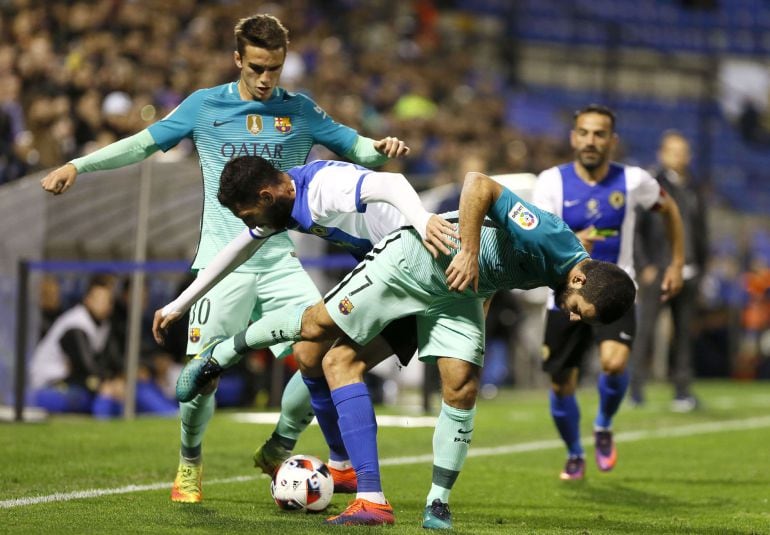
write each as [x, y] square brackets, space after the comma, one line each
[332, 261]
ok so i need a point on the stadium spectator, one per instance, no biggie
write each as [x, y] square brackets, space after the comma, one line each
[68, 372]
[651, 259]
[50, 302]
[14, 141]
[597, 198]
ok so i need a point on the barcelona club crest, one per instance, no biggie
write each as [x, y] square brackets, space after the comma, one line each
[523, 216]
[195, 334]
[283, 124]
[345, 306]
[254, 123]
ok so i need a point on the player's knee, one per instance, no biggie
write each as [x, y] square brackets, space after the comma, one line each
[308, 357]
[563, 389]
[341, 367]
[564, 382]
[614, 364]
[461, 395]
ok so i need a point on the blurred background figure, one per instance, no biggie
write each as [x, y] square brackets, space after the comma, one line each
[673, 174]
[50, 302]
[67, 370]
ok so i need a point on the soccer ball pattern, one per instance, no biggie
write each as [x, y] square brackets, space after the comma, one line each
[302, 483]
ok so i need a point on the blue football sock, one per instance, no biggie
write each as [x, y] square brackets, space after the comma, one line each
[359, 431]
[566, 415]
[612, 388]
[326, 413]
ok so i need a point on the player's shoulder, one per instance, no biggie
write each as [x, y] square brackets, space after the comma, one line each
[552, 174]
[634, 174]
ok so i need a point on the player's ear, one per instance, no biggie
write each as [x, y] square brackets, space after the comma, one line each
[266, 196]
[237, 59]
[578, 279]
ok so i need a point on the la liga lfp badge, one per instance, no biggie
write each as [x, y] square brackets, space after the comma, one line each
[523, 216]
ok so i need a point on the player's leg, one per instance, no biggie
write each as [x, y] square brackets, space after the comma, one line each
[615, 342]
[451, 327]
[372, 296]
[290, 286]
[344, 366]
[565, 344]
[224, 310]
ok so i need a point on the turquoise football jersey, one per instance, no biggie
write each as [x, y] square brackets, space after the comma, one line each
[522, 247]
[223, 126]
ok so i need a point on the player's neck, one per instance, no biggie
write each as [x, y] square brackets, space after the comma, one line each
[244, 93]
[592, 176]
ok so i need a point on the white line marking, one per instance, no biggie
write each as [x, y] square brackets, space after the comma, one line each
[629, 436]
[382, 421]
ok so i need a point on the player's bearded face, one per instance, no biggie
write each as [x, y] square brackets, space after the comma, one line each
[561, 293]
[278, 214]
[592, 140]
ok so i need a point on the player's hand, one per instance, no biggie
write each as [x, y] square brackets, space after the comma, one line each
[588, 236]
[60, 180]
[161, 323]
[463, 271]
[392, 147]
[672, 283]
[439, 233]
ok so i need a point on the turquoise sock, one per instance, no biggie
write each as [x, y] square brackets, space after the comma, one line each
[451, 441]
[195, 416]
[280, 326]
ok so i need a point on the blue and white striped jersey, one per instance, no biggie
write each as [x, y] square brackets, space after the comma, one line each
[609, 205]
[328, 205]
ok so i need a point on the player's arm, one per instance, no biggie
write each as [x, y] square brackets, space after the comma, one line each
[478, 195]
[119, 154]
[395, 189]
[672, 219]
[235, 253]
[371, 153]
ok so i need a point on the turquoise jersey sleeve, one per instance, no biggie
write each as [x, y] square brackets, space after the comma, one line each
[364, 153]
[539, 232]
[119, 154]
[178, 124]
[326, 131]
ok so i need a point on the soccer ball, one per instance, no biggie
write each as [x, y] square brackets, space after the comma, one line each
[302, 483]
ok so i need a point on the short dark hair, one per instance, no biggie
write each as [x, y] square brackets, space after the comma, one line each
[596, 108]
[242, 178]
[608, 288]
[263, 31]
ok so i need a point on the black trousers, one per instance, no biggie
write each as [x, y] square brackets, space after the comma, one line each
[683, 307]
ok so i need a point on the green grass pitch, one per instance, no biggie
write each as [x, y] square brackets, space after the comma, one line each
[706, 472]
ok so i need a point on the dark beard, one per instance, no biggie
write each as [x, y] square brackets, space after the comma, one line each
[590, 166]
[560, 294]
[278, 215]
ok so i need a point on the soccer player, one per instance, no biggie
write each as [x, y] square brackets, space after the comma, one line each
[598, 199]
[253, 116]
[520, 247]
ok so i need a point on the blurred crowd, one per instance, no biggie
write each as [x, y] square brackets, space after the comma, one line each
[75, 76]
[78, 75]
